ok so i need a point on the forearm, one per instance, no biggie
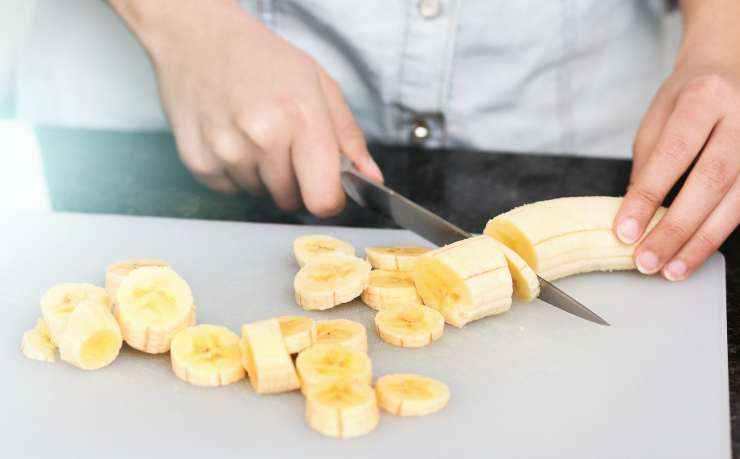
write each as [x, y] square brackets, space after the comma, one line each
[710, 26]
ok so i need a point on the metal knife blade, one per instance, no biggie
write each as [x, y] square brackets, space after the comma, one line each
[432, 227]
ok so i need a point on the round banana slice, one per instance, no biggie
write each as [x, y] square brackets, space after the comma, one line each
[153, 304]
[307, 248]
[411, 395]
[207, 355]
[37, 343]
[409, 326]
[92, 338]
[526, 283]
[329, 362]
[343, 332]
[330, 280]
[266, 359]
[342, 409]
[116, 272]
[394, 258]
[297, 332]
[61, 300]
[389, 289]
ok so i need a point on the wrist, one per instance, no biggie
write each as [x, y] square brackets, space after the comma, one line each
[710, 32]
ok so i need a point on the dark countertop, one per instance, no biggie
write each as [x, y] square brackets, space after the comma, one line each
[139, 174]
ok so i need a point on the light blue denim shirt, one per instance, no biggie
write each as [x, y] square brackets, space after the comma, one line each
[542, 75]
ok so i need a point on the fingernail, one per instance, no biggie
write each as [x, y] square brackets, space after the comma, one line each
[647, 262]
[675, 271]
[628, 231]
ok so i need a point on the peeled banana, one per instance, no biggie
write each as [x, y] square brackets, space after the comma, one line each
[390, 288]
[330, 280]
[116, 272]
[37, 343]
[409, 326]
[297, 331]
[342, 332]
[307, 248]
[60, 301]
[206, 355]
[92, 338]
[411, 395]
[465, 281]
[153, 304]
[526, 283]
[266, 359]
[394, 258]
[566, 236]
[322, 363]
[342, 408]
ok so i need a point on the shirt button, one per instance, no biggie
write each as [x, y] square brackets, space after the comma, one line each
[420, 131]
[429, 9]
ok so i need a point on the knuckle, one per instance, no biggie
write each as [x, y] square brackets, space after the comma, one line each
[197, 165]
[646, 196]
[707, 243]
[674, 231]
[714, 174]
[674, 147]
[709, 86]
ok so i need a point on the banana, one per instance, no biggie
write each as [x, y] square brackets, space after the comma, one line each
[116, 272]
[566, 236]
[322, 363]
[465, 281]
[342, 408]
[411, 395]
[330, 280]
[153, 304]
[266, 359]
[37, 343]
[343, 332]
[206, 355]
[409, 326]
[388, 289]
[92, 338]
[60, 301]
[307, 248]
[394, 258]
[526, 283]
[297, 331]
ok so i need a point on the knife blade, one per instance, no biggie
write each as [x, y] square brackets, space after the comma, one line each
[437, 230]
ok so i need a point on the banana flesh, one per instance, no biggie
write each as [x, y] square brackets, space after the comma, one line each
[330, 280]
[297, 331]
[394, 258]
[207, 355]
[310, 247]
[266, 359]
[411, 395]
[526, 283]
[409, 326]
[37, 343]
[342, 332]
[92, 338]
[60, 301]
[389, 289]
[116, 272]
[342, 408]
[323, 363]
[465, 281]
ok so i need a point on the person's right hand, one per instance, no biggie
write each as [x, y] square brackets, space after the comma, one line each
[248, 109]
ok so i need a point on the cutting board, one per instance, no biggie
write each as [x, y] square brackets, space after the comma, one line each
[534, 382]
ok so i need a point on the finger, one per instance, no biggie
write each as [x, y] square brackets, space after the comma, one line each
[707, 184]
[236, 155]
[721, 223]
[349, 135]
[276, 171]
[651, 126]
[687, 129]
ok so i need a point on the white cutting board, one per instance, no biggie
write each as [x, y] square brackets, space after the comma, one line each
[534, 382]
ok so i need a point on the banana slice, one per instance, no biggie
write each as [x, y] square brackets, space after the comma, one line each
[394, 258]
[329, 362]
[330, 280]
[92, 338]
[297, 331]
[342, 409]
[411, 395]
[307, 248]
[153, 304]
[526, 283]
[116, 272]
[206, 355]
[343, 332]
[409, 326]
[266, 359]
[37, 343]
[389, 289]
[61, 300]
[566, 236]
[465, 281]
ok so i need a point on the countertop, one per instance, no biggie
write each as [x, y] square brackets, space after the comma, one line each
[139, 174]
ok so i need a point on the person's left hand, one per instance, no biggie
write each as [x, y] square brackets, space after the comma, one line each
[693, 120]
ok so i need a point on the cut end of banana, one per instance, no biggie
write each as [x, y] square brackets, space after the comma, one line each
[60, 301]
[409, 326]
[92, 338]
[342, 408]
[342, 332]
[298, 332]
[323, 363]
[310, 247]
[207, 355]
[330, 280]
[387, 289]
[465, 281]
[266, 358]
[394, 258]
[526, 283]
[116, 272]
[37, 343]
[411, 395]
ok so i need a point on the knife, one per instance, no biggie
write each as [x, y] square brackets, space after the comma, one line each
[435, 229]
